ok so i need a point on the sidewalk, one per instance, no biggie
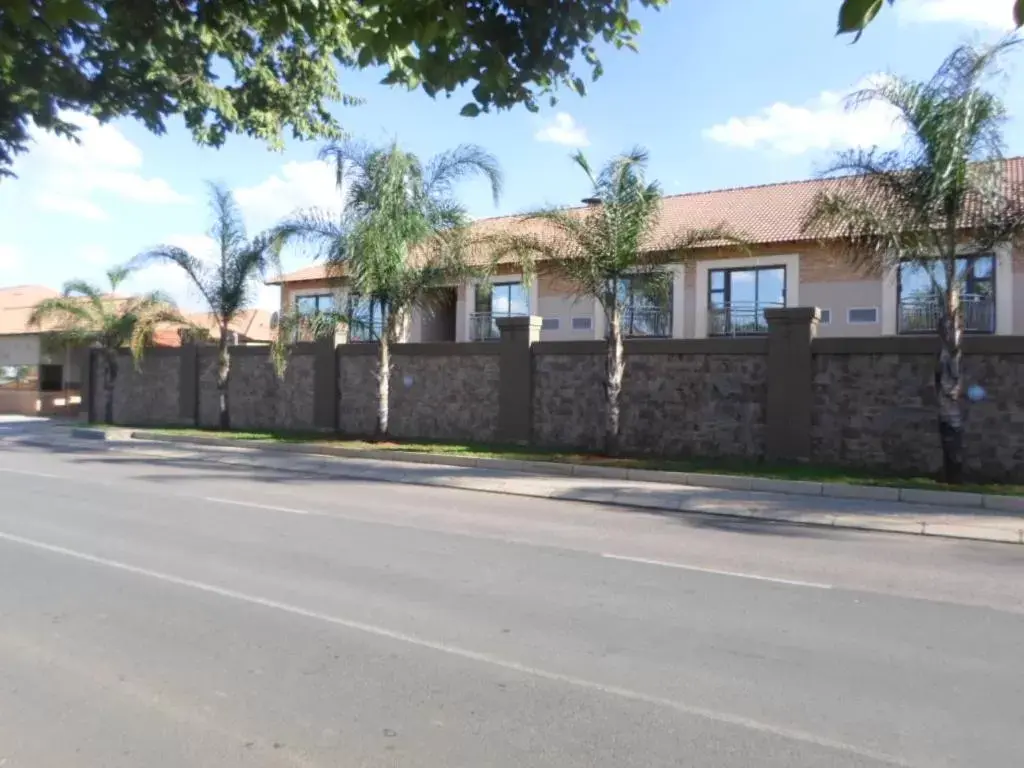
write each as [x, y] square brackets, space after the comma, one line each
[861, 514]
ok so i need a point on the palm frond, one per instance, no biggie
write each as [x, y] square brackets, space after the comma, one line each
[448, 168]
[228, 229]
[198, 272]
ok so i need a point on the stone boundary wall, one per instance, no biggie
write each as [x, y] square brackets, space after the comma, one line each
[786, 396]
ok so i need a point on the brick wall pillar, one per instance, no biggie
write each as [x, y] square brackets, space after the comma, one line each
[515, 387]
[325, 384]
[790, 331]
[188, 384]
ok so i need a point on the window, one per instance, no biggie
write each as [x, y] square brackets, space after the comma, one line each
[22, 377]
[367, 318]
[549, 324]
[862, 315]
[825, 317]
[737, 299]
[920, 288]
[646, 306]
[314, 304]
[582, 323]
[310, 306]
[494, 301]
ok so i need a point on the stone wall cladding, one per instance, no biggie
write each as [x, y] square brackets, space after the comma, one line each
[568, 400]
[879, 411]
[445, 397]
[675, 405]
[144, 397]
[209, 401]
[357, 390]
[260, 399]
[695, 405]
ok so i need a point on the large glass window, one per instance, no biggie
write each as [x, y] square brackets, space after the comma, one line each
[494, 301]
[737, 299]
[315, 304]
[368, 317]
[646, 306]
[21, 377]
[920, 289]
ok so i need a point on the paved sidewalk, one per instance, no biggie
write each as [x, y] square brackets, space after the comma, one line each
[862, 514]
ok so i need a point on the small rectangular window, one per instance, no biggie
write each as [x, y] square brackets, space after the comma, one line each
[826, 316]
[549, 324]
[582, 323]
[862, 315]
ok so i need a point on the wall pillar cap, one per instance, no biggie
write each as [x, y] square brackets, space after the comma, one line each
[792, 315]
[519, 321]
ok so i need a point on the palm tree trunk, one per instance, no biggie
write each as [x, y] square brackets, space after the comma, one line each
[383, 385]
[615, 366]
[223, 371]
[109, 381]
[948, 388]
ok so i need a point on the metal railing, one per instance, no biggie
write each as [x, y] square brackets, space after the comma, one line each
[646, 322]
[739, 318]
[483, 326]
[922, 314]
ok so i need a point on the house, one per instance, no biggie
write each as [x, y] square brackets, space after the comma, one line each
[722, 291]
[35, 377]
[250, 326]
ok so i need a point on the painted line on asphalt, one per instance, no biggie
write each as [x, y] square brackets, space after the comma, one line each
[737, 574]
[271, 507]
[464, 653]
[35, 474]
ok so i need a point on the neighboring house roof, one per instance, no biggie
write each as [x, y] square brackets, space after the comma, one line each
[249, 324]
[765, 214]
[16, 303]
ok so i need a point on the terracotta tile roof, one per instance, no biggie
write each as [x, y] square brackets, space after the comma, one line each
[764, 214]
[250, 324]
[16, 305]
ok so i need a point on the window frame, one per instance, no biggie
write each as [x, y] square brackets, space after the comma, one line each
[972, 258]
[726, 290]
[629, 307]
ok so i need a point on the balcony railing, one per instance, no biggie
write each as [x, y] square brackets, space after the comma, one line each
[483, 326]
[739, 318]
[646, 322]
[922, 314]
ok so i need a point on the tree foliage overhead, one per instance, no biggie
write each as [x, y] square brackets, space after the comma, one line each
[855, 15]
[266, 66]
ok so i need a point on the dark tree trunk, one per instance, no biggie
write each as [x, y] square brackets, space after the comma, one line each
[109, 381]
[223, 371]
[949, 389]
[615, 366]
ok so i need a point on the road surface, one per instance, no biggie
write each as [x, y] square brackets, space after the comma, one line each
[161, 611]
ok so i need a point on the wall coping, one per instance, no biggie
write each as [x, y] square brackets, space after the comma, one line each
[915, 345]
[749, 345]
[424, 349]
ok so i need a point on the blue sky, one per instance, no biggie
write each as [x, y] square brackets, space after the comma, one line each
[722, 94]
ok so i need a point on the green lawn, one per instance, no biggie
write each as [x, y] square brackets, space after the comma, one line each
[809, 472]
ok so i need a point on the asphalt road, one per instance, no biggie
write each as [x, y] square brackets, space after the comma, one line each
[166, 611]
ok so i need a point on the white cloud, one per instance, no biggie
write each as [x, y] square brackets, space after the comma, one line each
[563, 130]
[997, 14]
[824, 123]
[298, 185]
[10, 256]
[63, 176]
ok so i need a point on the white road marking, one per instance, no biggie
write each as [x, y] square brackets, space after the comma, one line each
[737, 574]
[271, 507]
[34, 474]
[464, 653]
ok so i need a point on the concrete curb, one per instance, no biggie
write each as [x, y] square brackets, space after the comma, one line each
[1004, 504]
[907, 526]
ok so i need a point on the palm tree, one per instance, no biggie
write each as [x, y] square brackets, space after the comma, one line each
[227, 284]
[924, 204]
[84, 316]
[401, 237]
[597, 249]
